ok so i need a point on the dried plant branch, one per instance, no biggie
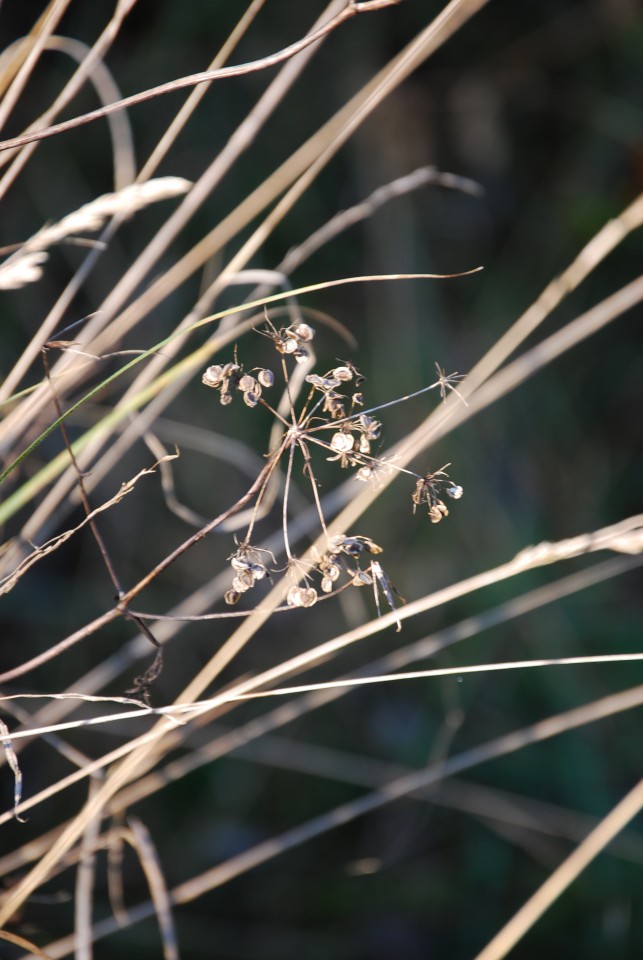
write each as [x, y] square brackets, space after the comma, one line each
[144, 354]
[9, 581]
[615, 821]
[139, 837]
[401, 787]
[24, 943]
[92, 68]
[489, 805]
[84, 893]
[47, 26]
[419, 650]
[306, 428]
[133, 277]
[208, 76]
[345, 219]
[184, 710]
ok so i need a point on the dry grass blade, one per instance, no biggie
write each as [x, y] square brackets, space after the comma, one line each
[85, 877]
[422, 649]
[387, 793]
[139, 837]
[24, 943]
[45, 28]
[208, 76]
[615, 821]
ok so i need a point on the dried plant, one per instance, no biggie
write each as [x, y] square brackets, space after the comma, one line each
[332, 421]
[188, 476]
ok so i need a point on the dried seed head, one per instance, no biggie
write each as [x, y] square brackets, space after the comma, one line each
[266, 378]
[454, 491]
[365, 474]
[327, 585]
[231, 597]
[362, 579]
[226, 398]
[247, 562]
[247, 383]
[301, 597]
[213, 376]
[322, 383]
[251, 399]
[438, 511]
[293, 597]
[342, 373]
[342, 442]
[304, 333]
[289, 345]
[242, 582]
[370, 428]
[308, 597]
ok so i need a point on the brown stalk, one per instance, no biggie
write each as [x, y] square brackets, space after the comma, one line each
[207, 76]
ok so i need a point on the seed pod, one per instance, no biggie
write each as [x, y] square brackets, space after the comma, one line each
[371, 428]
[343, 373]
[342, 442]
[362, 579]
[243, 582]
[335, 544]
[247, 383]
[304, 333]
[455, 492]
[213, 376]
[251, 399]
[289, 345]
[231, 597]
[322, 383]
[266, 378]
[438, 511]
[293, 597]
[365, 474]
[308, 596]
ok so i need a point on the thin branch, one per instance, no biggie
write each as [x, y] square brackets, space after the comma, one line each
[419, 650]
[139, 837]
[207, 76]
[394, 790]
[85, 875]
[615, 821]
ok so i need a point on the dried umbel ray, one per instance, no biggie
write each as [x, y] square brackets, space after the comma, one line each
[331, 419]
